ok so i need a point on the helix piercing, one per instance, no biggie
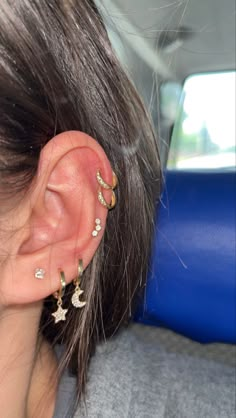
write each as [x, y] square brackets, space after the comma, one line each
[103, 201]
[103, 184]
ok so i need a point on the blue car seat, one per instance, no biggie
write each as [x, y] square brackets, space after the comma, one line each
[191, 286]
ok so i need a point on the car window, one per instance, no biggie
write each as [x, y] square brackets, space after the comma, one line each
[203, 136]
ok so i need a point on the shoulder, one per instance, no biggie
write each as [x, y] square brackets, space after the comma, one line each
[149, 372]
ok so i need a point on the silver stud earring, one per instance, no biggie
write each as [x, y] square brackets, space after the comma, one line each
[97, 228]
[39, 273]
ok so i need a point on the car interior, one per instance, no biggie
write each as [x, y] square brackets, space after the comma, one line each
[181, 57]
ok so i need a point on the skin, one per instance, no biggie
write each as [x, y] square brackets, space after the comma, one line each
[49, 228]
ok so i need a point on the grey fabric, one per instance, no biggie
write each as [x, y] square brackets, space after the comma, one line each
[66, 395]
[135, 375]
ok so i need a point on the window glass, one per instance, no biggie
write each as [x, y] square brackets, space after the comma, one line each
[204, 132]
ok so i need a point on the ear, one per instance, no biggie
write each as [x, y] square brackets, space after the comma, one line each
[55, 220]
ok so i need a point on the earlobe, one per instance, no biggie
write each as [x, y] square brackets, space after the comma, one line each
[63, 210]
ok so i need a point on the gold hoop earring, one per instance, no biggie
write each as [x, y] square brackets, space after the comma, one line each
[75, 300]
[60, 313]
[107, 186]
[103, 201]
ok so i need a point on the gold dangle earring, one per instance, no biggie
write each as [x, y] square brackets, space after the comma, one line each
[60, 314]
[75, 300]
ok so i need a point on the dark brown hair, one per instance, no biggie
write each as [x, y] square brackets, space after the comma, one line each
[58, 72]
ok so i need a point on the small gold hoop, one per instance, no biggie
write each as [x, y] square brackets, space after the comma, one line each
[105, 185]
[60, 293]
[76, 281]
[80, 268]
[103, 201]
[114, 180]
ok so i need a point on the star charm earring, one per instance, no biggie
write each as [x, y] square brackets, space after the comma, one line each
[60, 314]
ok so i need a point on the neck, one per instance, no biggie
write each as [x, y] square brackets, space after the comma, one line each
[21, 377]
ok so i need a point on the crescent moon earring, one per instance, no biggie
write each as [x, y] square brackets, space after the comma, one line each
[75, 300]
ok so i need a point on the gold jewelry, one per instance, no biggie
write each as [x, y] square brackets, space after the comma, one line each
[60, 314]
[103, 201]
[39, 273]
[107, 186]
[97, 227]
[75, 300]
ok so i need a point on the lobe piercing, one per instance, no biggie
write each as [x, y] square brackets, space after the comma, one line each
[75, 300]
[39, 273]
[60, 313]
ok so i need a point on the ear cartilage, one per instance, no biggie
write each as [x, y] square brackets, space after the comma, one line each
[97, 227]
[39, 273]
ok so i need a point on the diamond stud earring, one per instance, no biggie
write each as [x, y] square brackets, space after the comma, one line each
[39, 273]
[97, 227]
